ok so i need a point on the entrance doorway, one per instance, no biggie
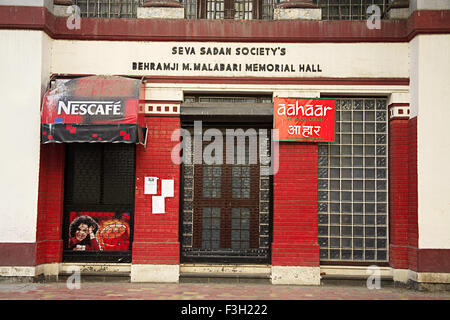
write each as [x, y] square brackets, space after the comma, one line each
[226, 206]
[99, 202]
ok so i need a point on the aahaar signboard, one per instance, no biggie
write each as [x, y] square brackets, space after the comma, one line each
[304, 120]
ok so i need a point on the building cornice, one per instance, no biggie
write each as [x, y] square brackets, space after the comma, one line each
[40, 18]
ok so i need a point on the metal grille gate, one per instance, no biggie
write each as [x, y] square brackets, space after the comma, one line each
[225, 217]
[99, 183]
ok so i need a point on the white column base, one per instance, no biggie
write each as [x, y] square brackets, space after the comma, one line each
[17, 271]
[296, 275]
[155, 273]
[405, 275]
[430, 277]
[48, 269]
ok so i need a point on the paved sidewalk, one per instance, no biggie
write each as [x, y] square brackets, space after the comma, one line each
[207, 291]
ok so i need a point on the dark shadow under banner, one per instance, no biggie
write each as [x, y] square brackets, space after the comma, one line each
[93, 109]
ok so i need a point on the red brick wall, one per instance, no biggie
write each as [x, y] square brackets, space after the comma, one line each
[50, 204]
[156, 235]
[413, 229]
[295, 217]
[403, 224]
[398, 193]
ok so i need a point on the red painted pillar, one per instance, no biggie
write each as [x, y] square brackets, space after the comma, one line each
[398, 193]
[156, 239]
[413, 223]
[50, 204]
[403, 224]
[295, 215]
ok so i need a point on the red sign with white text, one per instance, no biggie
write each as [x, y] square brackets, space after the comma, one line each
[305, 120]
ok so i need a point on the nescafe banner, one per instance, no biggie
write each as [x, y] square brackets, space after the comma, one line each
[93, 109]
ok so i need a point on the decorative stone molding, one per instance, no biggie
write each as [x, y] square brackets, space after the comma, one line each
[297, 10]
[398, 9]
[160, 108]
[161, 9]
[399, 111]
[60, 7]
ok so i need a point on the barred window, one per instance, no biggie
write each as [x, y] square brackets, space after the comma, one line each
[353, 197]
[108, 8]
[349, 9]
[229, 9]
[263, 9]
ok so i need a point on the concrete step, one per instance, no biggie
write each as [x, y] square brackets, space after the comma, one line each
[221, 277]
[97, 276]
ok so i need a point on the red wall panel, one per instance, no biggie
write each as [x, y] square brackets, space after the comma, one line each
[156, 235]
[50, 204]
[295, 208]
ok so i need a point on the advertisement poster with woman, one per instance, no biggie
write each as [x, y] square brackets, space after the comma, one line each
[99, 231]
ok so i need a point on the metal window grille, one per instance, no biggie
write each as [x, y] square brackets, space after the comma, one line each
[101, 175]
[353, 186]
[240, 228]
[108, 8]
[267, 8]
[211, 228]
[348, 9]
[190, 8]
[229, 9]
[243, 9]
[215, 9]
[228, 99]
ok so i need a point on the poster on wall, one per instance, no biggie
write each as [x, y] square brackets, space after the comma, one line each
[304, 120]
[99, 231]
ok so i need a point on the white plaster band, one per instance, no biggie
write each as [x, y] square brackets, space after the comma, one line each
[396, 112]
[160, 108]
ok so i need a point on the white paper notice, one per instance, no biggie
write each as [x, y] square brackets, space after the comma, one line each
[150, 185]
[158, 204]
[167, 187]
